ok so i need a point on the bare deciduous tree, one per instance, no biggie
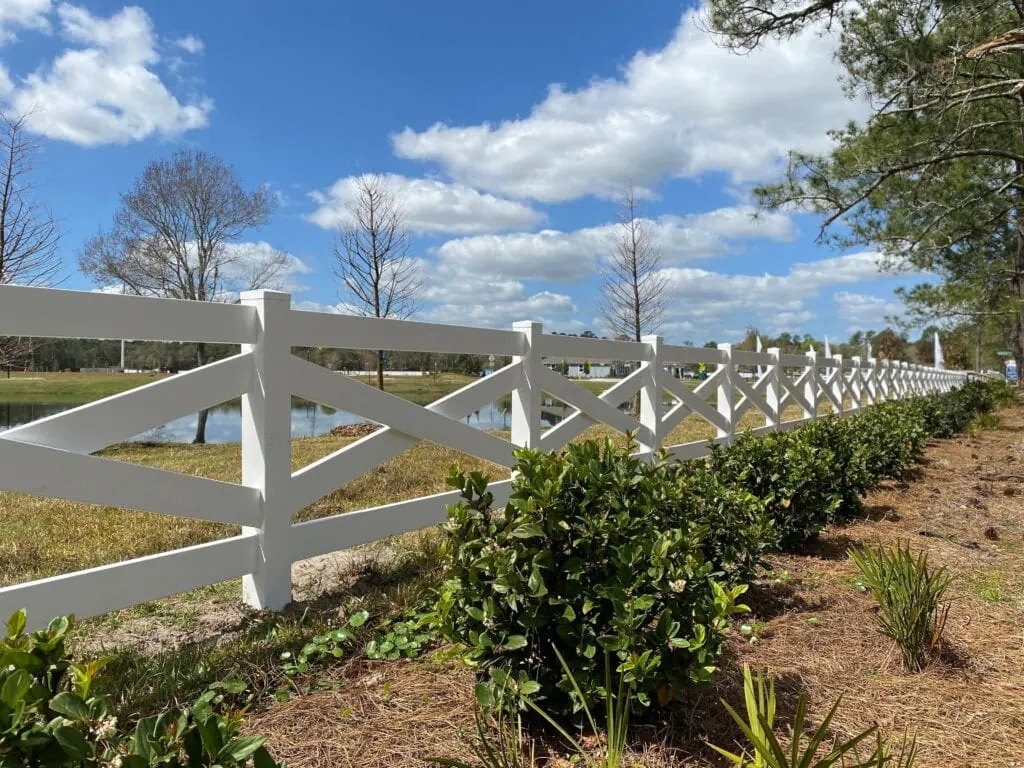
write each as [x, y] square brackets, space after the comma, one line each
[373, 259]
[29, 235]
[173, 236]
[633, 288]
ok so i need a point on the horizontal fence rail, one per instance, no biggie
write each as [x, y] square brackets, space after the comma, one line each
[53, 457]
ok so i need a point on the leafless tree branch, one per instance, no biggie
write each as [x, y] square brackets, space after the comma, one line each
[29, 235]
[173, 237]
[373, 258]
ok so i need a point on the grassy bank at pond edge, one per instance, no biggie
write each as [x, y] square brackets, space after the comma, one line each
[86, 387]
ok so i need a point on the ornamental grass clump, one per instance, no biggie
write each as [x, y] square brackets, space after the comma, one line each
[911, 610]
[765, 742]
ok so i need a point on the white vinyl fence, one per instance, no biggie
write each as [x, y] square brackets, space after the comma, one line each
[52, 457]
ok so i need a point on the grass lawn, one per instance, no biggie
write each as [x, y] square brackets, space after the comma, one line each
[68, 387]
[86, 387]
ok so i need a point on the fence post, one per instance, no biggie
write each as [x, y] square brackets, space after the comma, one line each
[871, 386]
[856, 385]
[266, 449]
[726, 394]
[839, 384]
[811, 386]
[773, 390]
[650, 397]
[905, 386]
[526, 397]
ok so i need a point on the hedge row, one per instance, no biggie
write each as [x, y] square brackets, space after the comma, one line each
[599, 552]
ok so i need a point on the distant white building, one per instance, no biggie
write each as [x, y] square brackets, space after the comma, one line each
[597, 370]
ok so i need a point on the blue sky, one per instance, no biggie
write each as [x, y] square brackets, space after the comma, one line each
[508, 130]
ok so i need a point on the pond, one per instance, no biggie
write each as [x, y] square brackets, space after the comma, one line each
[308, 419]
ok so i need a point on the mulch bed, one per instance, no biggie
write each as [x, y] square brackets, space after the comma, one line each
[815, 632]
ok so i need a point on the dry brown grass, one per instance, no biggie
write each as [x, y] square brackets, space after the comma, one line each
[815, 633]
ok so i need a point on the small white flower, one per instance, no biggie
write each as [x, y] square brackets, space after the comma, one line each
[116, 762]
[107, 728]
[679, 585]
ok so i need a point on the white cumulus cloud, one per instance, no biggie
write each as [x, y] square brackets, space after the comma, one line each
[681, 111]
[190, 44]
[104, 89]
[778, 300]
[863, 312]
[574, 255]
[23, 14]
[430, 207]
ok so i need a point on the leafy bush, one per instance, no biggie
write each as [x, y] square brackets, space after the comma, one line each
[48, 718]
[849, 477]
[791, 476]
[909, 596]
[765, 748]
[592, 551]
[738, 529]
[46, 714]
[893, 435]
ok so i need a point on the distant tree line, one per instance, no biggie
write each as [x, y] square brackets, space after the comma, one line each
[75, 354]
[962, 349]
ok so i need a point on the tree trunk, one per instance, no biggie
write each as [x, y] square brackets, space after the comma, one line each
[380, 370]
[977, 349]
[1018, 288]
[1018, 315]
[200, 438]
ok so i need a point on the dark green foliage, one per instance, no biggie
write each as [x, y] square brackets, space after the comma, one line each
[593, 552]
[950, 414]
[817, 474]
[849, 477]
[790, 474]
[596, 549]
[48, 718]
[894, 435]
[738, 530]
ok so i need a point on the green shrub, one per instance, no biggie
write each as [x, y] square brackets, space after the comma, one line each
[893, 434]
[849, 477]
[593, 551]
[909, 595]
[790, 475]
[48, 718]
[738, 529]
[953, 412]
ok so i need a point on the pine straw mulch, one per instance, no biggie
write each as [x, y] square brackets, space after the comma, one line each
[814, 631]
